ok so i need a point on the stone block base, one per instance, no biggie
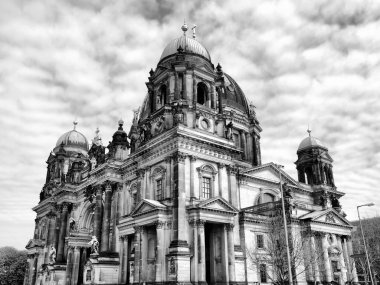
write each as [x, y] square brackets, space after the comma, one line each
[101, 270]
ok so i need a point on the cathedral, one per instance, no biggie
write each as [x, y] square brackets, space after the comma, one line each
[183, 197]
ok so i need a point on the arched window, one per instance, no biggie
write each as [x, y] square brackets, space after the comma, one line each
[202, 94]
[161, 97]
[152, 248]
[309, 175]
[266, 197]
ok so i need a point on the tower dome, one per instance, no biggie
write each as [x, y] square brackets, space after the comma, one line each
[73, 141]
[310, 142]
[185, 44]
[188, 45]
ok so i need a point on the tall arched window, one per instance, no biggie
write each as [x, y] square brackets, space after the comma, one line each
[202, 94]
[309, 175]
[161, 97]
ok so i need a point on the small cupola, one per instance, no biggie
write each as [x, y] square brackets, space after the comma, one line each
[118, 147]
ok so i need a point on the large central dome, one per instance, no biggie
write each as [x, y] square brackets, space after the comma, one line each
[189, 45]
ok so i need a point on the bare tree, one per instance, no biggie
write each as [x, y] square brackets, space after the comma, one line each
[371, 229]
[274, 253]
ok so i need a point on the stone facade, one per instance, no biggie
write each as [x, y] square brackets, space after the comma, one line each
[183, 196]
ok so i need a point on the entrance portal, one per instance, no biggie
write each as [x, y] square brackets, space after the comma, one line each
[215, 253]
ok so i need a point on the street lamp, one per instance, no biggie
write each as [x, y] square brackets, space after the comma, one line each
[365, 245]
[285, 227]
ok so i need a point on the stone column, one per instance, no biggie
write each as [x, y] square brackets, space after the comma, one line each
[160, 257]
[231, 252]
[201, 251]
[69, 264]
[194, 263]
[179, 205]
[122, 261]
[326, 260]
[224, 254]
[58, 209]
[168, 177]
[176, 86]
[256, 150]
[50, 237]
[350, 252]
[138, 260]
[342, 262]
[98, 212]
[192, 177]
[315, 265]
[76, 263]
[106, 218]
[120, 201]
[220, 180]
[116, 214]
[51, 233]
[249, 146]
[195, 99]
[243, 140]
[126, 241]
[62, 232]
[144, 255]
[232, 192]
[184, 85]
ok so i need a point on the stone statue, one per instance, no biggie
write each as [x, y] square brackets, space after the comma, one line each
[52, 255]
[136, 114]
[72, 224]
[335, 202]
[229, 130]
[94, 245]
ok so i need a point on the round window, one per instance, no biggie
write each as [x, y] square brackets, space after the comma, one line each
[205, 124]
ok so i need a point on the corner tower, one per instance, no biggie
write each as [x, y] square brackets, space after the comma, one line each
[314, 164]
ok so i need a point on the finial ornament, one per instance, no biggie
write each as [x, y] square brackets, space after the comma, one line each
[193, 28]
[184, 27]
[121, 123]
[75, 123]
[308, 130]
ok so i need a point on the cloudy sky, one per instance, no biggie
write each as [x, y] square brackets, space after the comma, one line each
[300, 62]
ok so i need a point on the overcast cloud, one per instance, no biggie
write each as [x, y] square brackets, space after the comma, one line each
[300, 62]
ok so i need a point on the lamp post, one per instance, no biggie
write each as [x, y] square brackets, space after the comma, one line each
[365, 244]
[285, 227]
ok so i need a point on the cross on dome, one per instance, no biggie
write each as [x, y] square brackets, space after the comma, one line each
[75, 123]
[309, 130]
[184, 27]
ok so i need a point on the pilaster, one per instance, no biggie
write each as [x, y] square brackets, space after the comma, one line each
[104, 244]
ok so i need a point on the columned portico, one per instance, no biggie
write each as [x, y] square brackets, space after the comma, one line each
[213, 241]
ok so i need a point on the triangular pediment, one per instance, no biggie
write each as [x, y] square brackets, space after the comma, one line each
[217, 203]
[329, 216]
[147, 205]
[271, 173]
